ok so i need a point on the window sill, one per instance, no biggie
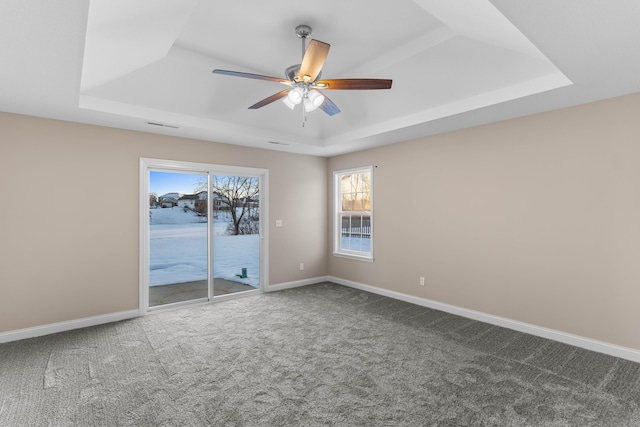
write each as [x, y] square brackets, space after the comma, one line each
[352, 256]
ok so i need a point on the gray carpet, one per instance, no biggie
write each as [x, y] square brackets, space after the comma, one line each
[321, 355]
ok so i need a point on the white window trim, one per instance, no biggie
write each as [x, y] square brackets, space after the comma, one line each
[337, 203]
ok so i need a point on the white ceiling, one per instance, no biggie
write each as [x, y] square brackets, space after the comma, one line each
[454, 64]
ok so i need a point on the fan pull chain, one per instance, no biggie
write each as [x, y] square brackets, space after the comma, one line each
[304, 114]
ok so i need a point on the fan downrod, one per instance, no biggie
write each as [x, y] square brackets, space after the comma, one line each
[303, 32]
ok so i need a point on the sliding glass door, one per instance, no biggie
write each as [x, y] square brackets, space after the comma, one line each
[236, 233]
[178, 237]
[201, 235]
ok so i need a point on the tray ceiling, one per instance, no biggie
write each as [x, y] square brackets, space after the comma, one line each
[454, 64]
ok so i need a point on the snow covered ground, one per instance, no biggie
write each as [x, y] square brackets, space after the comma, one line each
[178, 249]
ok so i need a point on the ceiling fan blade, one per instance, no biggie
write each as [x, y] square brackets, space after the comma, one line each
[251, 76]
[313, 60]
[270, 99]
[354, 84]
[329, 107]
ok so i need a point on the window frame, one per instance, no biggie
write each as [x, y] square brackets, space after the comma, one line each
[338, 212]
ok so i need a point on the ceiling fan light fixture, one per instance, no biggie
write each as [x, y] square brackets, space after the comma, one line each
[288, 102]
[295, 95]
[308, 106]
[315, 99]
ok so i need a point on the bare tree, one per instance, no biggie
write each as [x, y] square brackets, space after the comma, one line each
[240, 195]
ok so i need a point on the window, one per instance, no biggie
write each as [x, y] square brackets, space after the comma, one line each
[353, 219]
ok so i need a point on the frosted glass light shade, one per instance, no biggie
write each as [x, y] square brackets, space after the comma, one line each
[314, 100]
[295, 95]
[288, 102]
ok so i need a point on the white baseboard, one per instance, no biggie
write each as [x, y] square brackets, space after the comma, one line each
[296, 284]
[53, 328]
[575, 340]
[37, 331]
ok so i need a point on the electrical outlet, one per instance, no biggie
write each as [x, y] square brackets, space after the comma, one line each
[301, 266]
[421, 281]
[278, 223]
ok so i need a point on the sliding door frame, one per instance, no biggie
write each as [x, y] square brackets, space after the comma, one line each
[149, 164]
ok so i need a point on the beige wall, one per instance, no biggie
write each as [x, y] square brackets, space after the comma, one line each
[535, 219]
[69, 215]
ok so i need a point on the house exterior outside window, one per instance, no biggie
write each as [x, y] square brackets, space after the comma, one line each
[353, 213]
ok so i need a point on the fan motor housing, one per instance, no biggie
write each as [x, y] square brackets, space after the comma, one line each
[291, 71]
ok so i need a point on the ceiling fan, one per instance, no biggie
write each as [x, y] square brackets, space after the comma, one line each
[304, 79]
